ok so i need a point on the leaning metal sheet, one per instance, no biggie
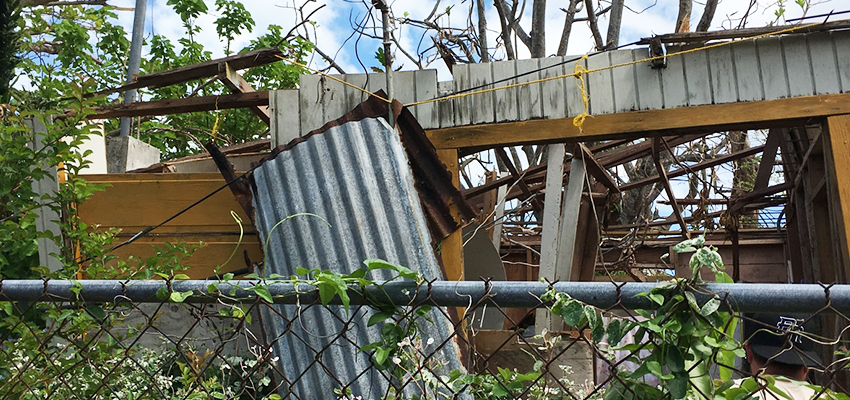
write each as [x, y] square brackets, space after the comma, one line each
[356, 177]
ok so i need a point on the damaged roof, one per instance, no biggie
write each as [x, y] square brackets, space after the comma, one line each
[353, 190]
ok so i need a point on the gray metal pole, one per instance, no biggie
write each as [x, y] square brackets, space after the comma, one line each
[388, 63]
[745, 297]
[135, 60]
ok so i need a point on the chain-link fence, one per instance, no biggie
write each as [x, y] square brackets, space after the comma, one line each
[225, 340]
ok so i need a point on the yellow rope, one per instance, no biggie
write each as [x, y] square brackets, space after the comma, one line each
[333, 78]
[579, 71]
[215, 125]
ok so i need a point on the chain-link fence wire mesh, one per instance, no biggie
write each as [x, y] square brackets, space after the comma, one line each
[680, 346]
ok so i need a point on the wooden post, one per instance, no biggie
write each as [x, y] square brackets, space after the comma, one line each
[837, 151]
[570, 211]
[551, 224]
[501, 193]
[451, 250]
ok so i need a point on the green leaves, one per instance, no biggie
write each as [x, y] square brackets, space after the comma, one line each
[179, 297]
[234, 19]
[403, 272]
[188, 9]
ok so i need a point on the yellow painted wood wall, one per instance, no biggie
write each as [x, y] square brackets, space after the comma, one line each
[133, 202]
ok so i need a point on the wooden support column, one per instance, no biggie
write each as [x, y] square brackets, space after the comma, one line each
[451, 249]
[837, 151]
[551, 225]
[500, 213]
[570, 212]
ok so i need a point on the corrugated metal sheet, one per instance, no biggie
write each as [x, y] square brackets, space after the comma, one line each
[432, 181]
[357, 176]
[762, 69]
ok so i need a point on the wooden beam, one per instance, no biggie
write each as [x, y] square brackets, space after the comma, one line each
[636, 124]
[607, 159]
[692, 168]
[768, 158]
[838, 156]
[508, 180]
[551, 227]
[694, 202]
[177, 106]
[815, 150]
[451, 248]
[738, 203]
[662, 173]
[616, 157]
[237, 84]
[201, 70]
[500, 152]
[739, 33]
[598, 171]
[570, 210]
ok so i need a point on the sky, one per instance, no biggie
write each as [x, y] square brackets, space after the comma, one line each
[334, 35]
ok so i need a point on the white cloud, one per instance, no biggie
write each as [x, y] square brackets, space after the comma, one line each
[333, 25]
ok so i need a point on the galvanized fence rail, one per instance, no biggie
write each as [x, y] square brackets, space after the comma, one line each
[210, 340]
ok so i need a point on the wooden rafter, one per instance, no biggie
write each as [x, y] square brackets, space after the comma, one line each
[662, 173]
[758, 205]
[237, 84]
[201, 70]
[768, 158]
[598, 171]
[692, 168]
[177, 106]
[526, 192]
[623, 155]
[607, 159]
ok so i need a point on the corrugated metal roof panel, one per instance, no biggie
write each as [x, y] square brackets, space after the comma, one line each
[356, 176]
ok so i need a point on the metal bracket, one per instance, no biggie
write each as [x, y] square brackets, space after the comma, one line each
[656, 49]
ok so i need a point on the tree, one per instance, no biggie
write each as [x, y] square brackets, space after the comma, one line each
[71, 42]
[9, 39]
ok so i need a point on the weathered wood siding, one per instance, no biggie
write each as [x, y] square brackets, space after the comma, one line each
[763, 69]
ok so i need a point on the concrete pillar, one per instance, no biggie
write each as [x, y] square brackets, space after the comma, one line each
[126, 153]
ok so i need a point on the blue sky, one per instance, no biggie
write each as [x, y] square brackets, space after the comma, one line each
[333, 31]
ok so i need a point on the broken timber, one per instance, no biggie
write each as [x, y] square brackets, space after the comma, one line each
[177, 106]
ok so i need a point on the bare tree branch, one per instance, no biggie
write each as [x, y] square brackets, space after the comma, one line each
[594, 27]
[53, 48]
[568, 26]
[514, 25]
[538, 29]
[482, 32]
[683, 20]
[614, 24]
[707, 16]
[330, 60]
[506, 33]
[299, 24]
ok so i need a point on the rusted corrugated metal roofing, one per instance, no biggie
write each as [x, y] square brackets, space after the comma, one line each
[379, 201]
[432, 180]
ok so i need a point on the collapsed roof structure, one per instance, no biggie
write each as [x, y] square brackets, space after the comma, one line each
[642, 107]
